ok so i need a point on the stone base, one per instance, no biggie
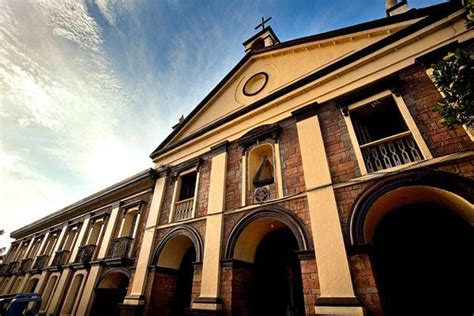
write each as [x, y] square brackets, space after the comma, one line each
[206, 306]
[348, 306]
[130, 310]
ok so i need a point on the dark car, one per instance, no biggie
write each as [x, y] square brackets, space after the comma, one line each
[24, 304]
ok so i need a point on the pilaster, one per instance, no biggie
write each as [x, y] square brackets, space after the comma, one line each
[210, 282]
[331, 260]
[135, 300]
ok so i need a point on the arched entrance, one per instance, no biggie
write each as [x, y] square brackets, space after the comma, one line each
[267, 241]
[276, 287]
[110, 292]
[424, 253]
[419, 229]
[173, 276]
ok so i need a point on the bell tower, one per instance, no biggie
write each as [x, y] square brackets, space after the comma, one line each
[264, 38]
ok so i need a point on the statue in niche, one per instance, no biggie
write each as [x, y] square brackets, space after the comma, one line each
[264, 175]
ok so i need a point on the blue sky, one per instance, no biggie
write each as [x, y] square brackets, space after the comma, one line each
[88, 88]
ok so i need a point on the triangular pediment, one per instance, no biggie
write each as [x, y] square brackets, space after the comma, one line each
[266, 73]
[276, 70]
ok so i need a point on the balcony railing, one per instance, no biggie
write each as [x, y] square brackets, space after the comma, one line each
[25, 265]
[120, 247]
[85, 253]
[60, 258]
[390, 152]
[41, 262]
[3, 268]
[183, 209]
[12, 266]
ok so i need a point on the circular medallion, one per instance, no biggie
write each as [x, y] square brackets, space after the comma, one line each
[255, 84]
[262, 194]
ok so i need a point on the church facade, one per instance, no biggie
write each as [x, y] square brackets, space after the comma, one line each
[314, 179]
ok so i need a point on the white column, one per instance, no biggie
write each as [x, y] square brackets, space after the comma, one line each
[331, 259]
[210, 282]
[138, 284]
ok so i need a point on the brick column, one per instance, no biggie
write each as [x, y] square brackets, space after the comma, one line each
[337, 293]
[209, 299]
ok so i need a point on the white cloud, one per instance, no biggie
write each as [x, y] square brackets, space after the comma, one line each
[63, 106]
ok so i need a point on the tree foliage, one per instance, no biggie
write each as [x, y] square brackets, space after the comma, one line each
[453, 76]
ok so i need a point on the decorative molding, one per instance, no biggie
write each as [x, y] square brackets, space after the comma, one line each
[185, 230]
[236, 263]
[219, 148]
[459, 185]
[281, 214]
[249, 94]
[306, 254]
[193, 163]
[259, 133]
[305, 112]
[338, 301]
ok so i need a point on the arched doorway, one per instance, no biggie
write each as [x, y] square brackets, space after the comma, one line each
[110, 292]
[269, 281]
[173, 276]
[423, 258]
[418, 228]
[276, 287]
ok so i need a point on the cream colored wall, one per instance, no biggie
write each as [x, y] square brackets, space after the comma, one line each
[283, 67]
[58, 294]
[364, 71]
[139, 277]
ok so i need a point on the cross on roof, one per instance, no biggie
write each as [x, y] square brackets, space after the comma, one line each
[263, 23]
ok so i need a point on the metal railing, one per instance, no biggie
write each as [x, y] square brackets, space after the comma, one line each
[40, 262]
[183, 209]
[85, 253]
[390, 152]
[3, 268]
[25, 265]
[12, 266]
[60, 258]
[120, 247]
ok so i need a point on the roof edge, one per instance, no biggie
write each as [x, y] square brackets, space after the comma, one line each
[150, 172]
[409, 15]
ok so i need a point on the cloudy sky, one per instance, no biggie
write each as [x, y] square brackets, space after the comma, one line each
[88, 88]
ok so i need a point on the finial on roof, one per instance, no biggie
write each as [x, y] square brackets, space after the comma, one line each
[394, 7]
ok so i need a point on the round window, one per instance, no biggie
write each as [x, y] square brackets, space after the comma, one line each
[255, 84]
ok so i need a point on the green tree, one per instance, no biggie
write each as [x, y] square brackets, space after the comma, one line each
[453, 76]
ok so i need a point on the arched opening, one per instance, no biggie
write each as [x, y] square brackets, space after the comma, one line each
[72, 295]
[174, 259]
[47, 294]
[423, 259]
[109, 293]
[31, 285]
[267, 241]
[276, 287]
[418, 228]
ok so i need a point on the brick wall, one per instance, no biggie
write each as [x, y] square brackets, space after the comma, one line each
[233, 184]
[311, 289]
[364, 284]
[339, 150]
[292, 168]
[203, 188]
[163, 287]
[421, 96]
